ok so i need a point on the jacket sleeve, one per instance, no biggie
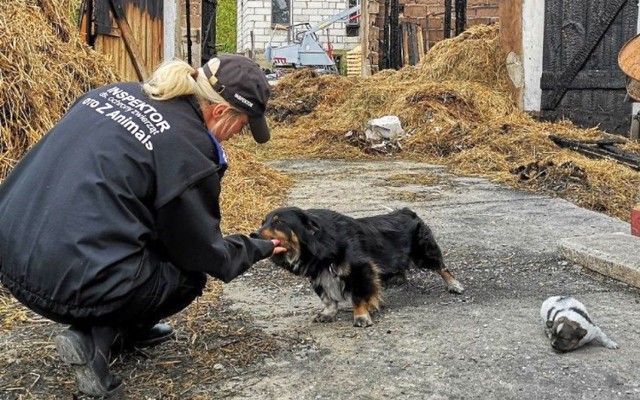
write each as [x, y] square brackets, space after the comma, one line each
[189, 229]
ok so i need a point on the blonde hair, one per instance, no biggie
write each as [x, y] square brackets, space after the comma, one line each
[176, 78]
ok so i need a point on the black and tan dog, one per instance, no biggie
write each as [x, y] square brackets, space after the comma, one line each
[346, 257]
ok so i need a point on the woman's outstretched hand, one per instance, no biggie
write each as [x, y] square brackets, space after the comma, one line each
[277, 248]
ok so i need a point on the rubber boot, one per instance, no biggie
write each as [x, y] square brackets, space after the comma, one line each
[88, 353]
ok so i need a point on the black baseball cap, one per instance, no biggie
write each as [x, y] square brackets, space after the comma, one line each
[241, 82]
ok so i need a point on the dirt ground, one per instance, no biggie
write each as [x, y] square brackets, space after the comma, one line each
[425, 343]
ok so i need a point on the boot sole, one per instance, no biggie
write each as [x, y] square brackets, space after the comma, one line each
[70, 348]
[74, 353]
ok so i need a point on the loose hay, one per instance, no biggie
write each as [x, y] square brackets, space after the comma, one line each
[44, 67]
[411, 179]
[458, 106]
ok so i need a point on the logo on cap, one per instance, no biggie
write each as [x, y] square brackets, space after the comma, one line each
[243, 100]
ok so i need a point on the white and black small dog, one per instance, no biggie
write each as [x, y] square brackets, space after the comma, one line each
[568, 326]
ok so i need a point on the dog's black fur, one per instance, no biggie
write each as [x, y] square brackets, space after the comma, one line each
[349, 257]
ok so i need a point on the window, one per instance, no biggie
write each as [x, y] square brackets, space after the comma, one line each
[280, 11]
[354, 19]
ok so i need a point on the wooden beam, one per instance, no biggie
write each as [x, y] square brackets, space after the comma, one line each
[510, 12]
[129, 40]
[405, 44]
[364, 38]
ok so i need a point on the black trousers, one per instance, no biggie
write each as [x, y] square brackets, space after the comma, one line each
[167, 292]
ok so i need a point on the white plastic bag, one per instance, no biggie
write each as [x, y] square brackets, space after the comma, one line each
[384, 128]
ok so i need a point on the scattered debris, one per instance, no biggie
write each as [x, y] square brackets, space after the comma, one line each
[600, 149]
[381, 135]
[549, 176]
[384, 128]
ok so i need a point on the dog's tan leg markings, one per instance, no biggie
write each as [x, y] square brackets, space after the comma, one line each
[361, 317]
[374, 303]
[452, 283]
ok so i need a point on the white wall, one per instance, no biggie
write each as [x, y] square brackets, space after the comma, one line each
[256, 15]
[532, 45]
[170, 18]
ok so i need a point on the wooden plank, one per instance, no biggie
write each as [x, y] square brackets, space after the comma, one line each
[427, 45]
[129, 40]
[395, 47]
[84, 26]
[420, 34]
[461, 16]
[599, 57]
[157, 40]
[132, 16]
[575, 65]
[405, 45]
[607, 121]
[364, 37]
[447, 19]
[511, 25]
[511, 37]
[410, 43]
[551, 59]
[590, 79]
[599, 149]
[384, 45]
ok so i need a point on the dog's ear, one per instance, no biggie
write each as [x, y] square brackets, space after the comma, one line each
[309, 222]
[579, 333]
[312, 225]
[310, 234]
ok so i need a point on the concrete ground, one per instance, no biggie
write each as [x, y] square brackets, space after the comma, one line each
[507, 247]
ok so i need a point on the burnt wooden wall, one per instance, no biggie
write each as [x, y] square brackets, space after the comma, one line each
[129, 31]
[403, 30]
[581, 79]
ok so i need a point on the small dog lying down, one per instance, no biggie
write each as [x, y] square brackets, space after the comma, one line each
[568, 326]
[347, 258]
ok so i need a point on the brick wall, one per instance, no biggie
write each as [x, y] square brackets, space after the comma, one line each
[255, 15]
[429, 14]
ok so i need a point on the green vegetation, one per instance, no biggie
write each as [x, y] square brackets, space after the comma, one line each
[226, 26]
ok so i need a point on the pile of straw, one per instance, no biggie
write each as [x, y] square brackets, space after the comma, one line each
[44, 67]
[250, 190]
[475, 55]
[458, 105]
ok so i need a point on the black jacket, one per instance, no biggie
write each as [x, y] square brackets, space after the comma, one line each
[119, 177]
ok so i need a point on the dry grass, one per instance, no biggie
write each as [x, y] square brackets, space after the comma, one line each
[250, 191]
[412, 179]
[44, 67]
[458, 105]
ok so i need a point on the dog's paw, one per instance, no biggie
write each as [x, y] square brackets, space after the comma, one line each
[324, 318]
[455, 287]
[362, 320]
[611, 345]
